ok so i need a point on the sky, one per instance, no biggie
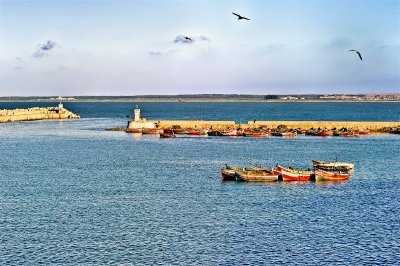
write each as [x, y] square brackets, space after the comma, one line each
[138, 47]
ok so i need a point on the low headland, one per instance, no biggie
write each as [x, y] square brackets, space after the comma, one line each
[36, 113]
[381, 97]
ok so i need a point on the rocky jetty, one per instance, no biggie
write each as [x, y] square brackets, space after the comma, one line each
[36, 113]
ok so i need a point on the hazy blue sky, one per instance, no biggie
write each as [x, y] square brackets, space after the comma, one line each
[128, 47]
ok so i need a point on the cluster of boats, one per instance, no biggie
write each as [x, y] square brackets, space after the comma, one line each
[250, 132]
[323, 171]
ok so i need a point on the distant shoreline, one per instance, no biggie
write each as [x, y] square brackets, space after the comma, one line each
[209, 100]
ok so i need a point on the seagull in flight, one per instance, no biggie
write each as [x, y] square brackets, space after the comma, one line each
[240, 17]
[359, 55]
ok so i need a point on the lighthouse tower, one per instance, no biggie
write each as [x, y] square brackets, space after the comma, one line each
[136, 111]
[139, 122]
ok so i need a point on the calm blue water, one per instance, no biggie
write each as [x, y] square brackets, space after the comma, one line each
[72, 193]
[239, 112]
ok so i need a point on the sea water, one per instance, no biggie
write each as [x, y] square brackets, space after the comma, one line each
[73, 193]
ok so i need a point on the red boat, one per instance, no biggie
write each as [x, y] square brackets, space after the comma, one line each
[321, 175]
[168, 130]
[198, 132]
[229, 133]
[289, 134]
[249, 131]
[181, 131]
[167, 135]
[362, 132]
[228, 173]
[152, 131]
[261, 134]
[289, 174]
[133, 130]
[325, 133]
[301, 131]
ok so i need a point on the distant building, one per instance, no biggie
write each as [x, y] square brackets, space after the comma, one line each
[289, 98]
[270, 97]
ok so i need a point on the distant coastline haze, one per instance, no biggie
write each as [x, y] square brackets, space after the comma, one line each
[77, 48]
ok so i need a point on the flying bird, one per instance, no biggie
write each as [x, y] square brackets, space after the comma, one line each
[187, 38]
[240, 17]
[359, 55]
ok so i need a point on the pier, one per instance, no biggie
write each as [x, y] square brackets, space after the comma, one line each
[36, 113]
[373, 127]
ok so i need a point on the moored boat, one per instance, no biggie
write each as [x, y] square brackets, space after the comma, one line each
[362, 132]
[321, 175]
[229, 133]
[167, 135]
[338, 166]
[255, 175]
[325, 133]
[284, 134]
[348, 134]
[228, 172]
[182, 131]
[289, 174]
[260, 134]
[198, 132]
[152, 131]
[133, 130]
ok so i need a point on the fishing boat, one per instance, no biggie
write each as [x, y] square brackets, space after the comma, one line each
[249, 131]
[229, 133]
[325, 133]
[287, 134]
[348, 134]
[301, 131]
[198, 132]
[182, 131]
[228, 172]
[258, 134]
[152, 131]
[168, 130]
[321, 175]
[338, 166]
[167, 135]
[249, 175]
[289, 174]
[362, 132]
[133, 130]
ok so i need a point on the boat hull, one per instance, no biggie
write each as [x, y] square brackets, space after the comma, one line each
[325, 134]
[255, 176]
[338, 166]
[167, 135]
[289, 175]
[152, 131]
[228, 174]
[321, 175]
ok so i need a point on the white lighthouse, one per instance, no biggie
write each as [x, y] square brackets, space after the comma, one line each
[139, 122]
[136, 111]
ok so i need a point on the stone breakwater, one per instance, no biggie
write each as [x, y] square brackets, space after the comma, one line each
[373, 127]
[36, 113]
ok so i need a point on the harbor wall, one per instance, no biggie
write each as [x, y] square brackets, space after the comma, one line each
[216, 125]
[221, 125]
[35, 113]
[326, 124]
